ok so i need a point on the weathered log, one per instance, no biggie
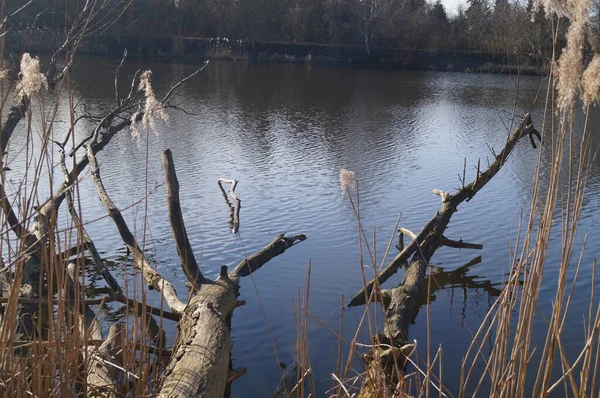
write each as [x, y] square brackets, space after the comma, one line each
[200, 363]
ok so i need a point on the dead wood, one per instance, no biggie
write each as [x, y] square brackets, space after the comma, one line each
[288, 384]
[449, 205]
[200, 365]
[150, 275]
[404, 299]
[184, 248]
[277, 246]
[235, 208]
[99, 380]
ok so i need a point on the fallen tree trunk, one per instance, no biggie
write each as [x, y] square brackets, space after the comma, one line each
[200, 366]
[403, 299]
[200, 363]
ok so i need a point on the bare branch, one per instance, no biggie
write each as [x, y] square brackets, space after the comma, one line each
[235, 209]
[260, 258]
[174, 89]
[184, 248]
[440, 220]
[118, 100]
[97, 260]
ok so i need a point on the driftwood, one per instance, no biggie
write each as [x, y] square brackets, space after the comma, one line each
[404, 299]
[235, 208]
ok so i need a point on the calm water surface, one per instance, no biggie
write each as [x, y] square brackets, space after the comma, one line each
[284, 131]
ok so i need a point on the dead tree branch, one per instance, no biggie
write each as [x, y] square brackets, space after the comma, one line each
[140, 262]
[235, 208]
[438, 223]
[277, 246]
[184, 248]
[404, 299]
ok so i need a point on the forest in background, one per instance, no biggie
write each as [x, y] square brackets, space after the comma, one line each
[493, 27]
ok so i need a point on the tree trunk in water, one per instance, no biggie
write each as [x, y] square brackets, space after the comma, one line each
[403, 300]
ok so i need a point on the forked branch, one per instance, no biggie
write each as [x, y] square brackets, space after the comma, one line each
[140, 262]
[433, 230]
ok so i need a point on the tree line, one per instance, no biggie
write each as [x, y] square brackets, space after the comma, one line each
[488, 26]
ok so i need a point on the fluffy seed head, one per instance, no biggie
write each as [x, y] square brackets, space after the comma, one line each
[570, 68]
[31, 80]
[347, 180]
[591, 82]
[153, 109]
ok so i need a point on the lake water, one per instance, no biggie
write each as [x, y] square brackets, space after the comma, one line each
[285, 131]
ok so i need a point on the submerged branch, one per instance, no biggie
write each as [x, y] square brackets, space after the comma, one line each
[235, 208]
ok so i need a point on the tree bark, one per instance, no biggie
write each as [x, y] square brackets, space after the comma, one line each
[200, 363]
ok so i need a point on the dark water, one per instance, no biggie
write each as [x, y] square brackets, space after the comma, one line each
[284, 131]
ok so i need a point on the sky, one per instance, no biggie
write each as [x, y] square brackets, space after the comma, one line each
[452, 6]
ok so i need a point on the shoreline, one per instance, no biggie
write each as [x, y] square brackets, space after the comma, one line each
[188, 48]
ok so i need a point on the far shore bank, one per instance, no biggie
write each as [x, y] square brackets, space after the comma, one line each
[189, 48]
